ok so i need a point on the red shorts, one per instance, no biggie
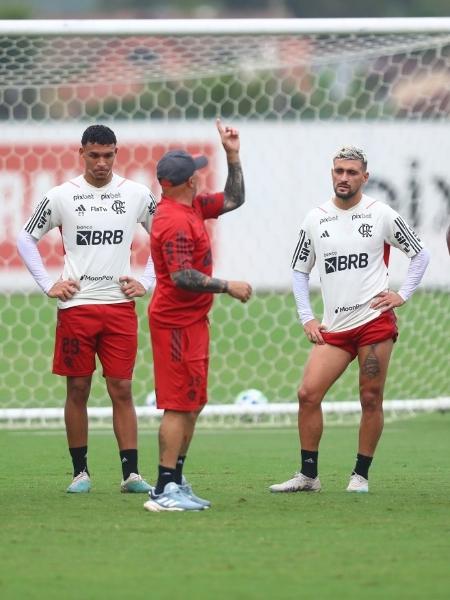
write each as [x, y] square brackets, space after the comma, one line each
[180, 362]
[382, 328]
[108, 330]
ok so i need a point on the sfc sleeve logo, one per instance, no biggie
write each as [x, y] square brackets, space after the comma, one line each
[406, 237]
[303, 248]
[151, 205]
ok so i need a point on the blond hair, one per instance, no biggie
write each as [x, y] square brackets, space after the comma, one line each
[351, 153]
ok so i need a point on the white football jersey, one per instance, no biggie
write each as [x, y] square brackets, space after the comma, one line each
[351, 250]
[97, 227]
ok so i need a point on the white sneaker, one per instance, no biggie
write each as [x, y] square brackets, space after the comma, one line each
[299, 483]
[171, 499]
[135, 485]
[81, 484]
[358, 483]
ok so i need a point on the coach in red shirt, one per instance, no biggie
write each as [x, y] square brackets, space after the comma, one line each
[178, 313]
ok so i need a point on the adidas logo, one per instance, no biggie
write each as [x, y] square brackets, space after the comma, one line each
[168, 502]
[80, 210]
[325, 234]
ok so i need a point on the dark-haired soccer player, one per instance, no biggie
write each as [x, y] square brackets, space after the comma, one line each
[349, 238]
[178, 312]
[97, 214]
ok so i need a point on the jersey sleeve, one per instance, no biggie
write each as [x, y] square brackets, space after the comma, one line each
[148, 209]
[177, 245]
[44, 218]
[304, 256]
[399, 234]
[210, 205]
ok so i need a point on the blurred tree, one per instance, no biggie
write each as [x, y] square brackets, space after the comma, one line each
[359, 8]
[233, 8]
[294, 8]
[15, 11]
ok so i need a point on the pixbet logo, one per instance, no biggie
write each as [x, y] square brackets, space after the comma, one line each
[99, 238]
[110, 196]
[362, 216]
[83, 197]
[345, 262]
[328, 219]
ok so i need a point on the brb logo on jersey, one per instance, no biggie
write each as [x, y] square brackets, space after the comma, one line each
[345, 262]
[86, 237]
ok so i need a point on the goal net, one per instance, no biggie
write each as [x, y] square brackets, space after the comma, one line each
[297, 90]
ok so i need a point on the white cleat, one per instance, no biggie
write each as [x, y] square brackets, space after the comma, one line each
[135, 485]
[299, 483]
[81, 484]
[172, 499]
[358, 483]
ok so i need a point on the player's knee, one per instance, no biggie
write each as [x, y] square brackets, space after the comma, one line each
[307, 398]
[78, 391]
[120, 391]
[371, 399]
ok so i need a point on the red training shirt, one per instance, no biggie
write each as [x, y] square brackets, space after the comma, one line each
[179, 241]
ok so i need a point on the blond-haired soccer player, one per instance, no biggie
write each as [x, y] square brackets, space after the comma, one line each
[348, 238]
[97, 214]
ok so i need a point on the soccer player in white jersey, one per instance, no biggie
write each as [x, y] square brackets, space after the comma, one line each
[348, 238]
[97, 214]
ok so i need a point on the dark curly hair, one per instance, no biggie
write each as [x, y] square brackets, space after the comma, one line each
[98, 134]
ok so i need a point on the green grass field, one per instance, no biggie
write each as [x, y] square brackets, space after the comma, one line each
[259, 344]
[393, 543]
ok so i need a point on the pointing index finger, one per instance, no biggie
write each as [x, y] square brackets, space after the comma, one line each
[219, 126]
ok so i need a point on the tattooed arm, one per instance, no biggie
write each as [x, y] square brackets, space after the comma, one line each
[234, 187]
[195, 281]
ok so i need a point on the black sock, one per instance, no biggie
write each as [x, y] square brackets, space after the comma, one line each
[310, 458]
[165, 476]
[79, 460]
[129, 458]
[362, 465]
[179, 469]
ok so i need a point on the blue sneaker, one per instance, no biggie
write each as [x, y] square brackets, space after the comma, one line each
[81, 484]
[187, 489]
[134, 484]
[171, 499]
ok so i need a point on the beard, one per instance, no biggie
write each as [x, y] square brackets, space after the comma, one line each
[344, 195]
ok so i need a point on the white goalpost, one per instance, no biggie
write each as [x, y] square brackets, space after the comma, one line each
[297, 89]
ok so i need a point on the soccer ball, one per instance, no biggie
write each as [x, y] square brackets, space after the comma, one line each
[250, 397]
[150, 400]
